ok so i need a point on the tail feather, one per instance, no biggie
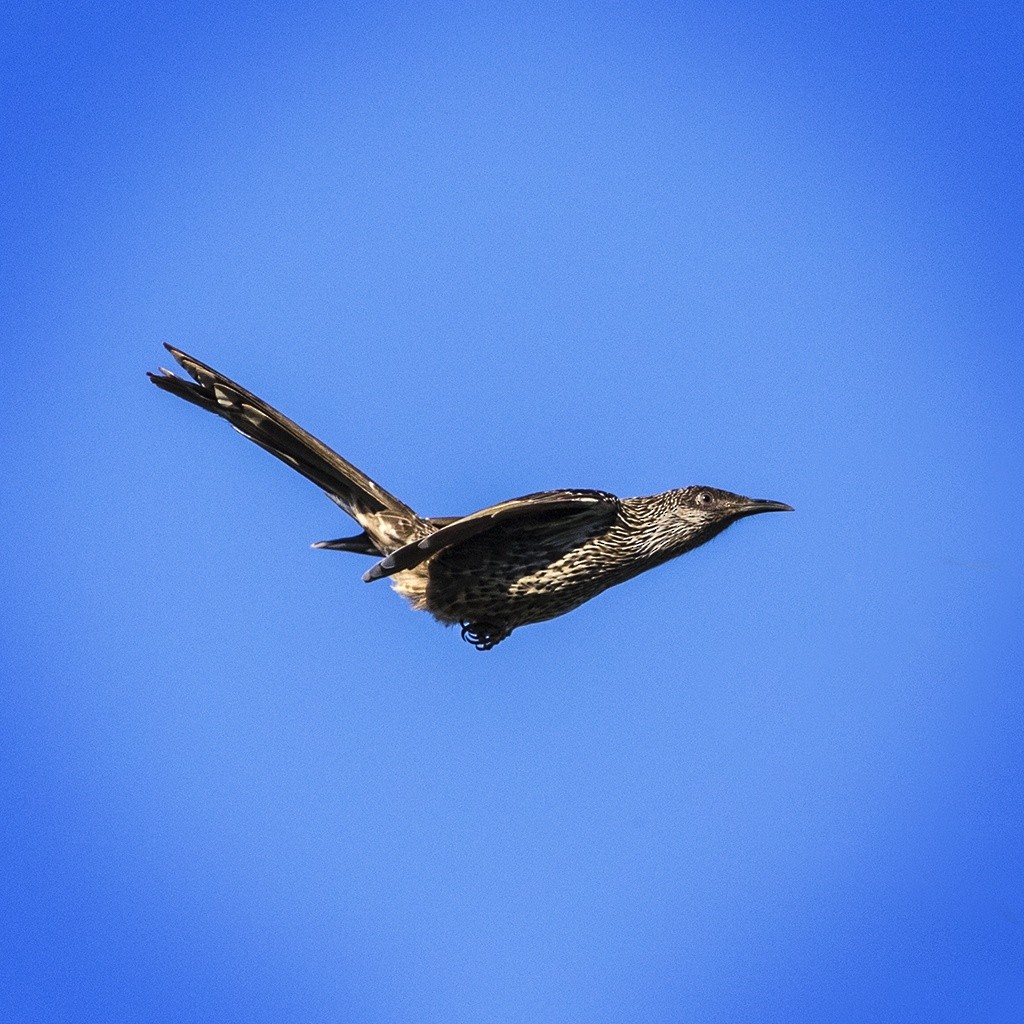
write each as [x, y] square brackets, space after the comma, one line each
[362, 498]
[360, 544]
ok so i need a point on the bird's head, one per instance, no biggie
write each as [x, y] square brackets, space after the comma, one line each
[709, 504]
[676, 521]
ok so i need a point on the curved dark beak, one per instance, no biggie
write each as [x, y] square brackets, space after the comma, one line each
[755, 506]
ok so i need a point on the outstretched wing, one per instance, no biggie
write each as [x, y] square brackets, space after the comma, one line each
[348, 486]
[599, 505]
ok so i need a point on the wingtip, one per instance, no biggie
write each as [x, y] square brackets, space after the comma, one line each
[181, 358]
[385, 567]
[162, 376]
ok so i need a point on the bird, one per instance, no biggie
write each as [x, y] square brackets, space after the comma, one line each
[521, 561]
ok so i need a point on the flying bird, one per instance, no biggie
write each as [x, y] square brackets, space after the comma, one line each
[521, 561]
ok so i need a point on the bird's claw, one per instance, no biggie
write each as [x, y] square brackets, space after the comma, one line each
[483, 635]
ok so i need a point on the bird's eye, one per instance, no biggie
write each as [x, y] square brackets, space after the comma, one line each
[704, 498]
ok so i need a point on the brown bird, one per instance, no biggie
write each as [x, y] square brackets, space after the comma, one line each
[521, 561]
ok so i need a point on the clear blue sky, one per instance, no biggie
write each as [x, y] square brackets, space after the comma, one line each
[484, 250]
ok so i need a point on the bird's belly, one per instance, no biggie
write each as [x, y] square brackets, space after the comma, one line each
[514, 581]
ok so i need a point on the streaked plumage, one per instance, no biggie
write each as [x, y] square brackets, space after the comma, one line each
[521, 561]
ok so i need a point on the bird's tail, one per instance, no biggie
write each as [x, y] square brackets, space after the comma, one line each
[363, 499]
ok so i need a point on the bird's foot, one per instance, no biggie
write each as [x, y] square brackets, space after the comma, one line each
[483, 635]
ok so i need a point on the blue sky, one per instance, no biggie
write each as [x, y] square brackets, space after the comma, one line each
[484, 250]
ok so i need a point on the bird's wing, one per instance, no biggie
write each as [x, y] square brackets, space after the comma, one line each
[601, 505]
[348, 486]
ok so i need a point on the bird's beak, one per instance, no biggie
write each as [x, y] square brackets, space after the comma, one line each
[754, 506]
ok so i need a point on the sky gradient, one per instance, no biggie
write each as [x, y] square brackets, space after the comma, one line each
[483, 251]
